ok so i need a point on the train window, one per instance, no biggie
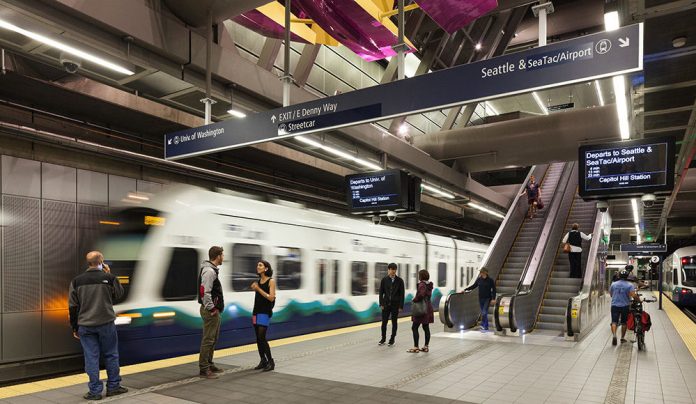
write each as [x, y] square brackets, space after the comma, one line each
[407, 277]
[321, 266]
[181, 281]
[358, 276]
[328, 276]
[689, 274]
[380, 272]
[336, 275]
[675, 276]
[414, 277]
[289, 268]
[244, 260]
[462, 277]
[441, 274]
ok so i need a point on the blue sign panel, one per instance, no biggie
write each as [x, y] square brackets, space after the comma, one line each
[644, 248]
[590, 57]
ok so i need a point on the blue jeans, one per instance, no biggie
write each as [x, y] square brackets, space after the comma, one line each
[483, 304]
[103, 340]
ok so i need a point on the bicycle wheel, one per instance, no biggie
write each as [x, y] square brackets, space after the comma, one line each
[641, 341]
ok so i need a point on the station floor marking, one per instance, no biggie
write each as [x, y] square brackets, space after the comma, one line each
[72, 380]
[685, 327]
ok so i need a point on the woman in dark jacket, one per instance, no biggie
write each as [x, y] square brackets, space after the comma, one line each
[265, 290]
[424, 292]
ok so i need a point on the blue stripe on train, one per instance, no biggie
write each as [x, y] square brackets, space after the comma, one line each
[168, 338]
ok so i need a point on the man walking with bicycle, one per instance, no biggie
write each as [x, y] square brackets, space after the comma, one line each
[621, 292]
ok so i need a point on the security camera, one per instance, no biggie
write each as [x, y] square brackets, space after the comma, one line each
[376, 219]
[648, 200]
[70, 63]
[391, 215]
[602, 206]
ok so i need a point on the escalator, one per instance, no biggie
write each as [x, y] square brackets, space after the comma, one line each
[561, 287]
[527, 237]
[510, 250]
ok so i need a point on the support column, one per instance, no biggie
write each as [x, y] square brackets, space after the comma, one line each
[287, 80]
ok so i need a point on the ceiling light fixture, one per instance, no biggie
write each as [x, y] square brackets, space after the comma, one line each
[634, 206]
[621, 106]
[540, 103]
[679, 41]
[338, 153]
[478, 46]
[485, 209]
[434, 190]
[611, 21]
[66, 48]
[236, 113]
[403, 128]
[490, 107]
[599, 93]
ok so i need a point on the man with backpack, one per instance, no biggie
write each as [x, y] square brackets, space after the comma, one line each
[212, 305]
[621, 292]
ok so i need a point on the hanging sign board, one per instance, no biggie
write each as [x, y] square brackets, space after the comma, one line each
[581, 59]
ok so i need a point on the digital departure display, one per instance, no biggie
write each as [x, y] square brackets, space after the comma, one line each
[378, 191]
[626, 168]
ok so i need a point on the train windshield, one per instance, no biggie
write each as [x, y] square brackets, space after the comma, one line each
[689, 271]
[123, 239]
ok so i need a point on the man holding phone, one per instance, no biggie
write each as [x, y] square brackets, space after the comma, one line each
[91, 305]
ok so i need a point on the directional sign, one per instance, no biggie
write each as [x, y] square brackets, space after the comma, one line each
[577, 60]
[644, 248]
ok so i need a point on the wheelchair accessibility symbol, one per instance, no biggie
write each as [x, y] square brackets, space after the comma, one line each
[603, 46]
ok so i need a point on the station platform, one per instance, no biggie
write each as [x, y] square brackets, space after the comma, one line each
[347, 366]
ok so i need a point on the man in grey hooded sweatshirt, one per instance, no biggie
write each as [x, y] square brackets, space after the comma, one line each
[212, 305]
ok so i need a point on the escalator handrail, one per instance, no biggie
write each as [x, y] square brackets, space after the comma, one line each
[551, 217]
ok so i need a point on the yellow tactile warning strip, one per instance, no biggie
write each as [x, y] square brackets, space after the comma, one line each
[66, 381]
[685, 327]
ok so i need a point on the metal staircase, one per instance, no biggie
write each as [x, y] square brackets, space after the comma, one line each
[516, 261]
[561, 287]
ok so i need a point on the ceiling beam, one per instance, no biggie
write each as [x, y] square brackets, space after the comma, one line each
[667, 87]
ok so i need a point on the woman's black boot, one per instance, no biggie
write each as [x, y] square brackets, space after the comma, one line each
[270, 366]
[262, 365]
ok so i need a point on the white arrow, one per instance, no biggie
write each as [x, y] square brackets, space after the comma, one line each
[624, 42]
[273, 119]
[169, 141]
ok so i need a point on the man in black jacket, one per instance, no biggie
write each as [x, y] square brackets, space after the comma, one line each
[91, 307]
[391, 301]
[486, 287]
[212, 304]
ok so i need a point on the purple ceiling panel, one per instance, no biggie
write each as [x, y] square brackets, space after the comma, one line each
[350, 25]
[257, 22]
[452, 15]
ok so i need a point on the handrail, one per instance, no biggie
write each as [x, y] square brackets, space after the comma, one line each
[543, 236]
[462, 307]
[588, 306]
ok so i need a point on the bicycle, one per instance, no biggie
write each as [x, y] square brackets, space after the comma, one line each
[639, 320]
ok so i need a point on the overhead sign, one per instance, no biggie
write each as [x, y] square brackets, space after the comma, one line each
[644, 248]
[577, 60]
[378, 191]
[626, 168]
[561, 106]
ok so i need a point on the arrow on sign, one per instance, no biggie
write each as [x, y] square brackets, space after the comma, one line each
[169, 141]
[624, 42]
[273, 119]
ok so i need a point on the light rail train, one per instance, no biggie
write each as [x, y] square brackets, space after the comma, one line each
[327, 268]
[679, 277]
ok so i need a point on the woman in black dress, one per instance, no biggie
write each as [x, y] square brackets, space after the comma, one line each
[264, 301]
